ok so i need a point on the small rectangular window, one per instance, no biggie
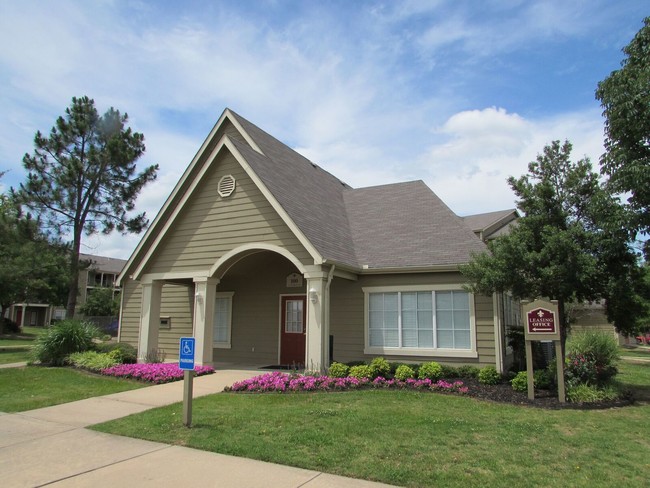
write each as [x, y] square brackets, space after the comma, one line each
[222, 325]
[165, 322]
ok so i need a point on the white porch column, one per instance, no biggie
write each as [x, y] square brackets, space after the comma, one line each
[318, 330]
[149, 318]
[205, 290]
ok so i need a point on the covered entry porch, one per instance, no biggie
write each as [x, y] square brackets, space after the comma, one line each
[258, 305]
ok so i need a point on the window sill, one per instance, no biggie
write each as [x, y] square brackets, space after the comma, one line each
[447, 353]
[220, 345]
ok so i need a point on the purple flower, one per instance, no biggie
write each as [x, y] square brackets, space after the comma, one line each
[153, 372]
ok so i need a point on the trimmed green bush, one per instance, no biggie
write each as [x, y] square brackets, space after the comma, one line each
[360, 371]
[126, 353]
[520, 382]
[489, 376]
[380, 367]
[467, 371]
[431, 370]
[63, 339]
[543, 379]
[404, 372]
[93, 360]
[449, 372]
[338, 370]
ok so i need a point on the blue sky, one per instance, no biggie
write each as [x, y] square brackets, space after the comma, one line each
[460, 94]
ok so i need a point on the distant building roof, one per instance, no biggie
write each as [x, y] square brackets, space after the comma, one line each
[104, 264]
[492, 224]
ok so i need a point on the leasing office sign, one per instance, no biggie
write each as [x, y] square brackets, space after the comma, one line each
[541, 324]
[541, 321]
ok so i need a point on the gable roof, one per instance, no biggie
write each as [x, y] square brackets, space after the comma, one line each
[403, 225]
[492, 224]
[406, 225]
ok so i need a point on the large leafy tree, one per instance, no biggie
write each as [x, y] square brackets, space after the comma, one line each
[32, 265]
[569, 245]
[82, 178]
[625, 98]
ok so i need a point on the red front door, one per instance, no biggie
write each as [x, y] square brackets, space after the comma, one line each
[292, 336]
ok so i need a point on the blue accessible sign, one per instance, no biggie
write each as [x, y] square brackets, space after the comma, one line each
[186, 353]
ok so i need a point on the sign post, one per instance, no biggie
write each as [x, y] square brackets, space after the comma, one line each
[542, 324]
[186, 363]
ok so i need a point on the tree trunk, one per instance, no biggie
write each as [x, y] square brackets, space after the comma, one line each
[73, 285]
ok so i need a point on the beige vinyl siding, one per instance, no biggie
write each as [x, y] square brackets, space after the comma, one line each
[130, 312]
[484, 310]
[176, 302]
[347, 317]
[210, 226]
[257, 282]
[592, 318]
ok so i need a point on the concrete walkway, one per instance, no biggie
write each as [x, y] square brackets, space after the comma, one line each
[51, 447]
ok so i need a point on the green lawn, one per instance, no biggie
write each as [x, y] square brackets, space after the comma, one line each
[25, 338]
[7, 356]
[636, 352]
[14, 348]
[35, 387]
[416, 439]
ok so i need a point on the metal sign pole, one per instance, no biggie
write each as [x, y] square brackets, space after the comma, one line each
[188, 380]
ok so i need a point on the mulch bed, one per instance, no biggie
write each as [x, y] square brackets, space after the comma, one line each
[503, 393]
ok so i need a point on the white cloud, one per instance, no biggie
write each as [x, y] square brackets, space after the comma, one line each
[485, 147]
[350, 89]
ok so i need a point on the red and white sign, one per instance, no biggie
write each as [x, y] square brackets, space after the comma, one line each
[541, 321]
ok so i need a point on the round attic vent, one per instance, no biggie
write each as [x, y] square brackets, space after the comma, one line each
[226, 186]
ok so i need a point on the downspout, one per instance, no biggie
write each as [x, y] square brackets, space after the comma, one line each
[498, 346]
[330, 276]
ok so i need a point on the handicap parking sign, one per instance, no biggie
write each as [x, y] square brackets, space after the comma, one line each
[186, 353]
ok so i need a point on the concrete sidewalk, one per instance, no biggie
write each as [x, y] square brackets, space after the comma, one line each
[50, 446]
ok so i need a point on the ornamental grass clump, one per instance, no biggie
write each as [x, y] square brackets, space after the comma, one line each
[591, 358]
[153, 372]
[62, 339]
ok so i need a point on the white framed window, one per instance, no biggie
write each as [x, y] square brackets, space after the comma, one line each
[293, 320]
[222, 324]
[421, 320]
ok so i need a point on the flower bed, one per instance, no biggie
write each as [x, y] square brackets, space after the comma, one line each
[283, 382]
[153, 373]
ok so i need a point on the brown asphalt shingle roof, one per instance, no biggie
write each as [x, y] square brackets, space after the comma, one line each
[387, 226]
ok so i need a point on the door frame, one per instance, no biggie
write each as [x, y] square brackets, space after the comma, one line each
[280, 313]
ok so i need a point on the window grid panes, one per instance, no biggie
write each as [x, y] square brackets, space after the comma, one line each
[419, 320]
[294, 317]
[222, 320]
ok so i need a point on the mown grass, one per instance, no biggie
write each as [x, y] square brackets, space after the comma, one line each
[32, 387]
[415, 438]
[638, 352]
[25, 338]
[15, 348]
[14, 356]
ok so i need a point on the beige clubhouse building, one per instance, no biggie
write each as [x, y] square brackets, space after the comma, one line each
[267, 259]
